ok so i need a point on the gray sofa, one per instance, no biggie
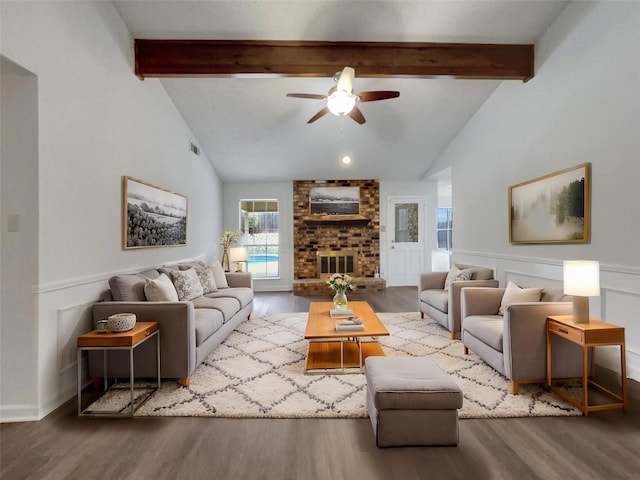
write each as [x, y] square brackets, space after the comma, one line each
[189, 330]
[515, 343]
[444, 305]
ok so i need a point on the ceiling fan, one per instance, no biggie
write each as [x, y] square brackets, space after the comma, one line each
[341, 100]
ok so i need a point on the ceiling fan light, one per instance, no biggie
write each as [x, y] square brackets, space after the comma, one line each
[341, 102]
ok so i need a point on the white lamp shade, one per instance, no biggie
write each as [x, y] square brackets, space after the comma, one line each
[238, 254]
[582, 277]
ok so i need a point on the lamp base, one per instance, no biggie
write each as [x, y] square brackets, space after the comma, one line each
[580, 309]
[238, 266]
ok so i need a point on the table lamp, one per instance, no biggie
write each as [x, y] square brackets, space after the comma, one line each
[238, 255]
[581, 280]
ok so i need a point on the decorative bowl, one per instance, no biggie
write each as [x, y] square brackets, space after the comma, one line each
[121, 322]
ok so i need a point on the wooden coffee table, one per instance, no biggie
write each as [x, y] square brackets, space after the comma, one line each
[329, 349]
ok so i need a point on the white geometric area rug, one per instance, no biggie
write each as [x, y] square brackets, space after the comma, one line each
[258, 372]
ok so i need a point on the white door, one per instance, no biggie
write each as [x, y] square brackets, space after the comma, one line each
[405, 252]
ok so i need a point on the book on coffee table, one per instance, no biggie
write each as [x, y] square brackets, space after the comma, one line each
[344, 313]
[351, 325]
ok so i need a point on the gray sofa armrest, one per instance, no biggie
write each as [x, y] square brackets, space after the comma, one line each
[432, 281]
[455, 289]
[239, 279]
[525, 339]
[177, 331]
[480, 301]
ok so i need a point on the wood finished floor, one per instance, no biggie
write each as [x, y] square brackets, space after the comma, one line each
[605, 445]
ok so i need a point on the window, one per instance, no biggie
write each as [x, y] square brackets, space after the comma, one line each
[445, 228]
[259, 226]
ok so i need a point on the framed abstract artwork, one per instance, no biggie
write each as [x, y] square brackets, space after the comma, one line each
[153, 216]
[552, 209]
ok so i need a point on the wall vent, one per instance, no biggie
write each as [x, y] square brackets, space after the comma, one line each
[194, 148]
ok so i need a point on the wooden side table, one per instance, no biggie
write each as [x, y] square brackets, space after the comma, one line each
[129, 340]
[593, 334]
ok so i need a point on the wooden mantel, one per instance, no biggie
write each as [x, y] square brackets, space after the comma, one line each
[188, 58]
[335, 220]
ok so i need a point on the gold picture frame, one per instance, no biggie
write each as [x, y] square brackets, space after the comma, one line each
[555, 208]
[152, 216]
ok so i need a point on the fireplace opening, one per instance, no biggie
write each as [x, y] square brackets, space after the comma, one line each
[336, 261]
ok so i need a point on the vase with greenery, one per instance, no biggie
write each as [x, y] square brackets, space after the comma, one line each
[340, 283]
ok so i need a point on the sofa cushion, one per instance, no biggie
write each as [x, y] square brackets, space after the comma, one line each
[188, 265]
[514, 294]
[218, 275]
[228, 306]
[207, 321]
[187, 283]
[481, 274]
[554, 294]
[486, 328]
[160, 289]
[242, 294]
[205, 274]
[130, 287]
[457, 274]
[436, 298]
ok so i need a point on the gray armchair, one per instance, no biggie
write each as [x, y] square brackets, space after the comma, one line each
[444, 305]
[515, 343]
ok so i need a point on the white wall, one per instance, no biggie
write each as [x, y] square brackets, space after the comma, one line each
[97, 122]
[233, 193]
[583, 105]
[19, 232]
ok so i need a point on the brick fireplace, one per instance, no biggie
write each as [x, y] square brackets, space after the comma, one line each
[325, 244]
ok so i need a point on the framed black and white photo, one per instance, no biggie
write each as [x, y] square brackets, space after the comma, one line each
[552, 209]
[335, 200]
[153, 216]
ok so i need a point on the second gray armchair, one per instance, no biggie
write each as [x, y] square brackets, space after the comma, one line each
[443, 305]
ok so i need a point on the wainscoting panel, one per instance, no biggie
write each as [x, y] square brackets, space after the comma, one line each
[72, 322]
[622, 308]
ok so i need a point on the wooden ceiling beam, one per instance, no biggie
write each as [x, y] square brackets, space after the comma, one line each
[189, 58]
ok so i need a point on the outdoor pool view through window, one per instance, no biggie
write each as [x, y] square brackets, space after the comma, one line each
[445, 228]
[259, 226]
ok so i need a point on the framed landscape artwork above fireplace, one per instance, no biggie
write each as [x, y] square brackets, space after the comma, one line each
[334, 200]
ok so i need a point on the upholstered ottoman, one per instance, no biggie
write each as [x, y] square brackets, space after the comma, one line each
[411, 402]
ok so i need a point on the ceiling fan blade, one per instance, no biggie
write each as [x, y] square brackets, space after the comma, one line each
[356, 114]
[345, 82]
[377, 95]
[321, 113]
[314, 96]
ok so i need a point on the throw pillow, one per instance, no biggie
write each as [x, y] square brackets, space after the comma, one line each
[456, 275]
[160, 289]
[218, 275]
[187, 284]
[514, 294]
[205, 274]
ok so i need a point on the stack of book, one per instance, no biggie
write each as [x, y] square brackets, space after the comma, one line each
[343, 313]
[352, 324]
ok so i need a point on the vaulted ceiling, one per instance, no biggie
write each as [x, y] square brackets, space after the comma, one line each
[251, 131]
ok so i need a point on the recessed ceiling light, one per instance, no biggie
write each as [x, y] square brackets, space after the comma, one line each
[346, 159]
